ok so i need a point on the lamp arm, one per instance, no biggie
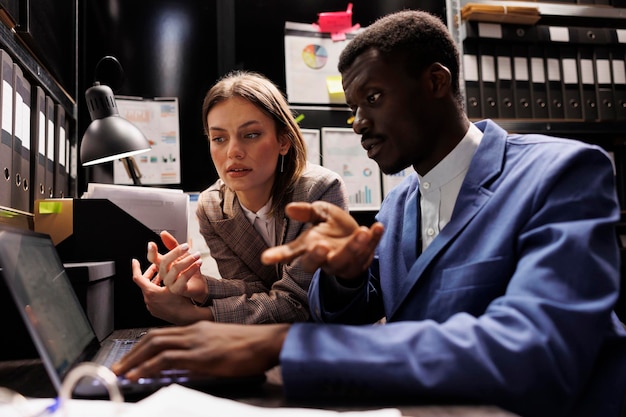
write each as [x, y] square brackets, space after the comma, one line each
[132, 169]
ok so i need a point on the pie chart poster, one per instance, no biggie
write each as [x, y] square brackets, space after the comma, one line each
[311, 65]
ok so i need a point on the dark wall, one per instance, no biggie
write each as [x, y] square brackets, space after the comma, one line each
[179, 48]
[47, 30]
[167, 48]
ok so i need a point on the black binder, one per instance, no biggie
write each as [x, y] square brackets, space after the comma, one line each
[554, 82]
[587, 82]
[38, 153]
[525, 33]
[592, 35]
[472, 82]
[488, 91]
[618, 72]
[61, 176]
[504, 82]
[20, 187]
[521, 76]
[471, 31]
[50, 128]
[6, 125]
[571, 82]
[539, 91]
[604, 83]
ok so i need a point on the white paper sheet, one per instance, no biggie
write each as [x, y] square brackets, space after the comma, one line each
[157, 208]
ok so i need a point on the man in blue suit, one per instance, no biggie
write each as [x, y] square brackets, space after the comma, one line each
[495, 266]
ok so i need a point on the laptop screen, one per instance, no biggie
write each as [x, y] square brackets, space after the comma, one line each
[37, 280]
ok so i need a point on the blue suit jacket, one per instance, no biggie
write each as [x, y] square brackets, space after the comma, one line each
[511, 304]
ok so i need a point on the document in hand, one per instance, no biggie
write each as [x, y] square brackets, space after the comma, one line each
[157, 208]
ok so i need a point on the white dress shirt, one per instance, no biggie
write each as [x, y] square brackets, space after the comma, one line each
[440, 187]
[263, 222]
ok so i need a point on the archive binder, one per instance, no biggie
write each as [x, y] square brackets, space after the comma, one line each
[20, 188]
[618, 72]
[539, 92]
[504, 83]
[68, 155]
[571, 86]
[61, 181]
[592, 35]
[472, 82]
[587, 83]
[38, 182]
[50, 129]
[554, 82]
[521, 85]
[604, 83]
[529, 34]
[6, 123]
[488, 92]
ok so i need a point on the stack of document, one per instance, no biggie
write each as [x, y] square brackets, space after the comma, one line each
[176, 400]
[524, 15]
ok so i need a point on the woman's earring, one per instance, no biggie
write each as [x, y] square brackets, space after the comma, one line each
[282, 163]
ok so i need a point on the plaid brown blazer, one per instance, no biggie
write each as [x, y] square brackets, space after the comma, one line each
[250, 292]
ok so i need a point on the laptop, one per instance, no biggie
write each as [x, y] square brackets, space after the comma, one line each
[61, 331]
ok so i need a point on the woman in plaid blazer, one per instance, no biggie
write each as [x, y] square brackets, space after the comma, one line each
[260, 156]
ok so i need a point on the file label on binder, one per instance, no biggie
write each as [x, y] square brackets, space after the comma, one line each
[472, 87]
[506, 95]
[488, 86]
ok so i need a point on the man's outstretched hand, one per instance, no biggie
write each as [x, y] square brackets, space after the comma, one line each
[336, 243]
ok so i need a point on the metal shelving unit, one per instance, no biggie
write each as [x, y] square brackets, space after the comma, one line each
[556, 14]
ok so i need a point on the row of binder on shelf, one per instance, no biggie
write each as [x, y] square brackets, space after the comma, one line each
[35, 149]
[544, 72]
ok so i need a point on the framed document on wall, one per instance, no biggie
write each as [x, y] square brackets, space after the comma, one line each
[311, 59]
[342, 153]
[158, 119]
[312, 141]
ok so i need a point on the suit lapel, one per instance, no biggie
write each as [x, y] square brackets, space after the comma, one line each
[241, 237]
[485, 165]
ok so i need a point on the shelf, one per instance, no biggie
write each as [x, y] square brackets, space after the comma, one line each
[579, 14]
[563, 9]
[20, 54]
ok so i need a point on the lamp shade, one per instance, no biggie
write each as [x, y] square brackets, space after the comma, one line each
[109, 136]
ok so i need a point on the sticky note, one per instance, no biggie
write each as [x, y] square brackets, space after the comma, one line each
[50, 207]
[334, 87]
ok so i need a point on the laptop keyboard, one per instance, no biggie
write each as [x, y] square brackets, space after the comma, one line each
[113, 350]
[120, 348]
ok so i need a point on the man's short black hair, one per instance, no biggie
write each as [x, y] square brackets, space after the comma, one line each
[422, 37]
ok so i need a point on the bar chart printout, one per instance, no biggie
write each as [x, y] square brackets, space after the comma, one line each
[342, 153]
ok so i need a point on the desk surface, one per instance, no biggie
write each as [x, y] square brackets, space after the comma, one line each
[29, 378]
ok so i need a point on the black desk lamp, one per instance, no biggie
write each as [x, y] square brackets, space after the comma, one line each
[110, 136]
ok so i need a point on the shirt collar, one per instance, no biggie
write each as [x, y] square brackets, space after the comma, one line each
[262, 213]
[456, 162]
